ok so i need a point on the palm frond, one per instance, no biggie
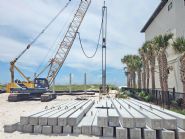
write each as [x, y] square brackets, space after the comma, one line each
[162, 41]
[179, 45]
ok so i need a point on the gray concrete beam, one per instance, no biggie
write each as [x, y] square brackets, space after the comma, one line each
[27, 128]
[87, 121]
[67, 129]
[139, 119]
[57, 129]
[102, 118]
[135, 133]
[180, 118]
[77, 130]
[53, 119]
[62, 120]
[108, 131]
[126, 119]
[43, 120]
[167, 134]
[121, 133]
[24, 119]
[169, 122]
[10, 128]
[180, 133]
[37, 129]
[152, 120]
[102, 103]
[113, 118]
[109, 103]
[149, 133]
[77, 116]
[47, 130]
[19, 127]
[34, 119]
[86, 130]
[96, 130]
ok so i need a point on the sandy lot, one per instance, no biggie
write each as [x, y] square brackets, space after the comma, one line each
[10, 113]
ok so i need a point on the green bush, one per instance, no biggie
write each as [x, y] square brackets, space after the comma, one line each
[173, 102]
[122, 95]
[178, 111]
[180, 102]
[144, 96]
[148, 98]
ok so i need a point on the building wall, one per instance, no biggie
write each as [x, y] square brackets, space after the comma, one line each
[180, 17]
[163, 23]
[169, 21]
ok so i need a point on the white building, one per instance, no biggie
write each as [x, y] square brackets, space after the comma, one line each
[169, 17]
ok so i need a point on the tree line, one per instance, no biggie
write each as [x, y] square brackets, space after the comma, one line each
[142, 66]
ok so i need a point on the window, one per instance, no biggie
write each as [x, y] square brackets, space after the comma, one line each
[170, 6]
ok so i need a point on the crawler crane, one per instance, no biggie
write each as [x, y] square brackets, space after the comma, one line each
[39, 87]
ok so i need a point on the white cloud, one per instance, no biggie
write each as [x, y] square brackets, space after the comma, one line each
[125, 20]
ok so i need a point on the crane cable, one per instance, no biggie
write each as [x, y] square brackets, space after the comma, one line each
[53, 43]
[94, 54]
[50, 23]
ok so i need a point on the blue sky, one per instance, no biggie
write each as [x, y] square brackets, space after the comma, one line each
[22, 20]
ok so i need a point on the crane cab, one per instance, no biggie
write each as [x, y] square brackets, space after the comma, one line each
[41, 83]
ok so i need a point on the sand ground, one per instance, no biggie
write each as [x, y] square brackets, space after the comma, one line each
[10, 113]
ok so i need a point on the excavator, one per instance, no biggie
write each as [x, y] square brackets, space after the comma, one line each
[40, 87]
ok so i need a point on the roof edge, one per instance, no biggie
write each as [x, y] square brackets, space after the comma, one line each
[154, 15]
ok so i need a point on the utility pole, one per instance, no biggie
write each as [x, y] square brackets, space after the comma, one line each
[104, 46]
[54, 86]
[70, 83]
[85, 83]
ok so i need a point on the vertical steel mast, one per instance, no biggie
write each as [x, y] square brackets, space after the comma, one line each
[104, 45]
[68, 40]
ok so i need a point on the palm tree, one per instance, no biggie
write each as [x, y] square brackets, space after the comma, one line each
[138, 69]
[134, 64]
[128, 76]
[141, 52]
[145, 51]
[151, 54]
[126, 60]
[145, 60]
[162, 43]
[179, 47]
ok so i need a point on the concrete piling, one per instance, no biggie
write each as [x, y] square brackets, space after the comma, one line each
[118, 118]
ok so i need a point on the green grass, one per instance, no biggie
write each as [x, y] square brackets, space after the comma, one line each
[178, 111]
[1, 86]
[80, 87]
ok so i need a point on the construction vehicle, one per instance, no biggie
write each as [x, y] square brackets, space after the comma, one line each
[39, 87]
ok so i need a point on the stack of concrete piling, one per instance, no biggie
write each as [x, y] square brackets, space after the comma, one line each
[120, 118]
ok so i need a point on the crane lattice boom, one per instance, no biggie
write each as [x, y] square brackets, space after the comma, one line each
[68, 40]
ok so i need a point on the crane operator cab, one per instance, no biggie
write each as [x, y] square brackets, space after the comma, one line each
[41, 83]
